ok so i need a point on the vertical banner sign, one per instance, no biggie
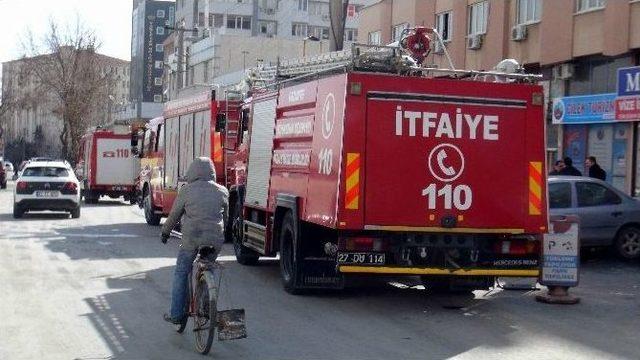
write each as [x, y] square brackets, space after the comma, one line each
[628, 100]
[560, 255]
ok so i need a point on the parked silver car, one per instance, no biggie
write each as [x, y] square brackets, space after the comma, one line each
[608, 217]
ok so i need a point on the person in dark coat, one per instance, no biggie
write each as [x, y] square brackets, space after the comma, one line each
[559, 165]
[595, 171]
[569, 169]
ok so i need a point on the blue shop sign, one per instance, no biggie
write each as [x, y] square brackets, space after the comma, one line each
[629, 81]
[584, 109]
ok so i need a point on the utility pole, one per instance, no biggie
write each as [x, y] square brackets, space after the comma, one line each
[181, 53]
[337, 18]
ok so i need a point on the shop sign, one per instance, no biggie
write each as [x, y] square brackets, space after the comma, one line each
[584, 109]
[628, 100]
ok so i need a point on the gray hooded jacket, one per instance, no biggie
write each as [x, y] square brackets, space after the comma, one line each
[203, 206]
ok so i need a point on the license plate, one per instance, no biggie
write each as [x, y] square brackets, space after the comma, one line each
[46, 194]
[361, 258]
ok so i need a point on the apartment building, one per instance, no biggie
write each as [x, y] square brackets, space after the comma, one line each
[148, 21]
[578, 46]
[227, 36]
[31, 107]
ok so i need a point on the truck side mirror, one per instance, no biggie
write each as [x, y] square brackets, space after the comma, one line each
[221, 120]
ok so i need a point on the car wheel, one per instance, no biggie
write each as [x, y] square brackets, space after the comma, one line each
[627, 243]
[75, 213]
[17, 212]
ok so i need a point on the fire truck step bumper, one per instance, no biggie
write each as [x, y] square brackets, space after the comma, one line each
[437, 271]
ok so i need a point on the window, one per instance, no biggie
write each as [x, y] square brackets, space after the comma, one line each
[478, 15]
[218, 20]
[299, 29]
[159, 64]
[319, 31]
[318, 8]
[529, 11]
[303, 5]
[46, 171]
[160, 14]
[157, 98]
[375, 38]
[239, 22]
[592, 194]
[443, 25]
[157, 81]
[586, 5]
[396, 33]
[159, 47]
[559, 195]
[201, 19]
[211, 17]
[267, 27]
[159, 30]
[350, 34]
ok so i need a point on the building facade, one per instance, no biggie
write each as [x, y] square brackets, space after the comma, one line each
[31, 109]
[577, 45]
[224, 36]
[148, 33]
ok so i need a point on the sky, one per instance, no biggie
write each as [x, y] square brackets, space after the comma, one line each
[110, 19]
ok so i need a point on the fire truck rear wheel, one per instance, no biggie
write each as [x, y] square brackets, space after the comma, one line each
[149, 215]
[289, 248]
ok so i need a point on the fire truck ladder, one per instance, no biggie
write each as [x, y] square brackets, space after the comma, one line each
[373, 58]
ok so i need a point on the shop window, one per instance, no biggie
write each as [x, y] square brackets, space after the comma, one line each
[591, 194]
[559, 195]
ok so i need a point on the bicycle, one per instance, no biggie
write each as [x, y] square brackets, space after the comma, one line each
[202, 304]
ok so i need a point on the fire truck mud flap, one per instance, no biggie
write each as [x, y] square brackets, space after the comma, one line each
[313, 272]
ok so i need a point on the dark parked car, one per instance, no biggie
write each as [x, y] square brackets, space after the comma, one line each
[608, 217]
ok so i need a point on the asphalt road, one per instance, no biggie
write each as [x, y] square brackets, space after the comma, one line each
[96, 288]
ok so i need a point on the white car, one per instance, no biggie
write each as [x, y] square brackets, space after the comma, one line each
[47, 185]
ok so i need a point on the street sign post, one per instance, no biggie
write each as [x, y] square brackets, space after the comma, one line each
[561, 260]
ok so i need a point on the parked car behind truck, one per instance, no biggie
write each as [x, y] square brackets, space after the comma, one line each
[608, 217]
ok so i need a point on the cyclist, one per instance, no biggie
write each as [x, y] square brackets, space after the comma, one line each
[203, 206]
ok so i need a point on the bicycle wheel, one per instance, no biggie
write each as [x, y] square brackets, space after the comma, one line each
[206, 316]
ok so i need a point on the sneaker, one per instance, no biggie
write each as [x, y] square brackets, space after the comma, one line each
[169, 319]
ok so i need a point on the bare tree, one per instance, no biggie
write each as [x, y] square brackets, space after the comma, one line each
[64, 64]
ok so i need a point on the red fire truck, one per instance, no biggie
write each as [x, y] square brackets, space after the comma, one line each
[378, 165]
[189, 128]
[105, 164]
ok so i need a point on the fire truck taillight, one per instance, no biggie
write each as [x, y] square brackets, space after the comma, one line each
[362, 244]
[517, 247]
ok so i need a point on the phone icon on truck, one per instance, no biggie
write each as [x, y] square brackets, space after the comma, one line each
[447, 170]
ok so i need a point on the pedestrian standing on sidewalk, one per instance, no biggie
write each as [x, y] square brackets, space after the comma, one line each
[569, 169]
[595, 171]
[557, 167]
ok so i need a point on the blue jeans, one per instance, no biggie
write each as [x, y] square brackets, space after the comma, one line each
[179, 293]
